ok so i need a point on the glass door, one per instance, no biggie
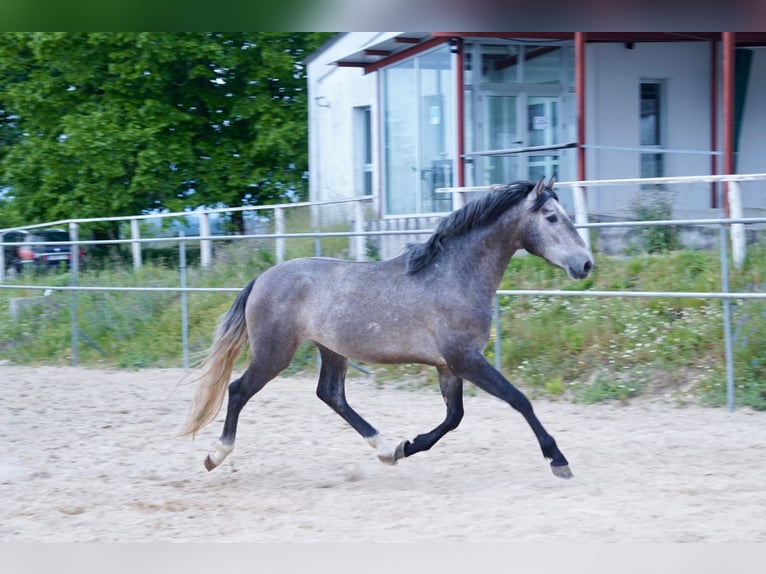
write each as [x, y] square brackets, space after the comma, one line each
[542, 130]
[500, 131]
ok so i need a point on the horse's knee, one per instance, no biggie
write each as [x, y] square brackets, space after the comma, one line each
[323, 391]
[330, 395]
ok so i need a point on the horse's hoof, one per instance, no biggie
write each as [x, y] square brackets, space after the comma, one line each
[562, 471]
[217, 454]
[387, 459]
[393, 455]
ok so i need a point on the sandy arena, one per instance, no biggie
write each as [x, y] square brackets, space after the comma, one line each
[91, 455]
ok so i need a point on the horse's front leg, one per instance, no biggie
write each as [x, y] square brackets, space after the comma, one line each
[475, 368]
[452, 391]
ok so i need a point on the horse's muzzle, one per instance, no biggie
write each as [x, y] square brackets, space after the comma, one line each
[580, 270]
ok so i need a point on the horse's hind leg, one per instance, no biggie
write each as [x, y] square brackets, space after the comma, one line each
[331, 389]
[241, 390]
[452, 391]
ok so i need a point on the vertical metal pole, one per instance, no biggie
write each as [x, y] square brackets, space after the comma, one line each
[738, 239]
[727, 320]
[498, 359]
[74, 267]
[279, 229]
[2, 258]
[714, 185]
[184, 300]
[359, 240]
[135, 246]
[581, 213]
[318, 253]
[205, 245]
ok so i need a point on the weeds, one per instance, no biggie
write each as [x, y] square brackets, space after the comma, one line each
[655, 205]
[576, 348]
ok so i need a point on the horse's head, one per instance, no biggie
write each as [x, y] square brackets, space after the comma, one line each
[547, 231]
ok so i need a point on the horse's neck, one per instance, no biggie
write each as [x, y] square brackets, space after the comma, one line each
[487, 254]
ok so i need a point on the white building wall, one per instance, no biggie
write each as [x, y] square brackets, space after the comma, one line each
[613, 76]
[333, 93]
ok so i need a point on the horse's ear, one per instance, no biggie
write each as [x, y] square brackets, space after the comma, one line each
[552, 181]
[540, 186]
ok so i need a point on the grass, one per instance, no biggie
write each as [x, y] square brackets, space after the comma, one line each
[592, 349]
[579, 348]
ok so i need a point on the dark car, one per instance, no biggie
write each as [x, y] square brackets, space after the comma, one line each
[11, 251]
[44, 249]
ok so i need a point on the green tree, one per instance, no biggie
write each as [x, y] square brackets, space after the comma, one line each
[95, 124]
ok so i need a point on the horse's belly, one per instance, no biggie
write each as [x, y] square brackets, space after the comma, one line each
[380, 342]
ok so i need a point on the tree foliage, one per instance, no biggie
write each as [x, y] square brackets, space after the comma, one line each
[95, 124]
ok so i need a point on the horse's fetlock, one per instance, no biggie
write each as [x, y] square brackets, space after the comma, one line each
[548, 446]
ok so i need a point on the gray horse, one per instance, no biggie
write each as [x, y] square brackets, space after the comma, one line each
[431, 305]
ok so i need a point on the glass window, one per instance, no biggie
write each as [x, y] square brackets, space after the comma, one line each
[651, 125]
[543, 64]
[419, 133]
[363, 150]
[542, 120]
[400, 137]
[650, 114]
[500, 63]
[652, 165]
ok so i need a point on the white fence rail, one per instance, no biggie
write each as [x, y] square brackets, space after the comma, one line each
[205, 238]
[358, 236]
[581, 211]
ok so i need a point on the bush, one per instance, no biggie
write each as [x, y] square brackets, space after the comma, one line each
[655, 205]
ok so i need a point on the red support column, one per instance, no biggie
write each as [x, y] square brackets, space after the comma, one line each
[580, 95]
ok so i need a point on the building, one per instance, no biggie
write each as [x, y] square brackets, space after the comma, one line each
[400, 115]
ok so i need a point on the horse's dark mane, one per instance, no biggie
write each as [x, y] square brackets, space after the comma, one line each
[476, 214]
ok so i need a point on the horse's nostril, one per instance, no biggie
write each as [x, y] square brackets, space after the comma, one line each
[588, 266]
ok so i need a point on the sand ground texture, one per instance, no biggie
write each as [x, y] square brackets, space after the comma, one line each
[91, 455]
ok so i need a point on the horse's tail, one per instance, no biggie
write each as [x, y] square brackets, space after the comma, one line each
[230, 336]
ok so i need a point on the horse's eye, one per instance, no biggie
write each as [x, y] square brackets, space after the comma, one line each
[552, 218]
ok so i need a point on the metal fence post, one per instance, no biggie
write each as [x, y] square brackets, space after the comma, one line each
[205, 245]
[135, 246]
[581, 213]
[727, 320]
[184, 300]
[318, 253]
[498, 358]
[359, 240]
[2, 258]
[279, 229]
[74, 269]
[738, 239]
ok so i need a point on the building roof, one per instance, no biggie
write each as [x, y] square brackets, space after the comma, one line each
[404, 43]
